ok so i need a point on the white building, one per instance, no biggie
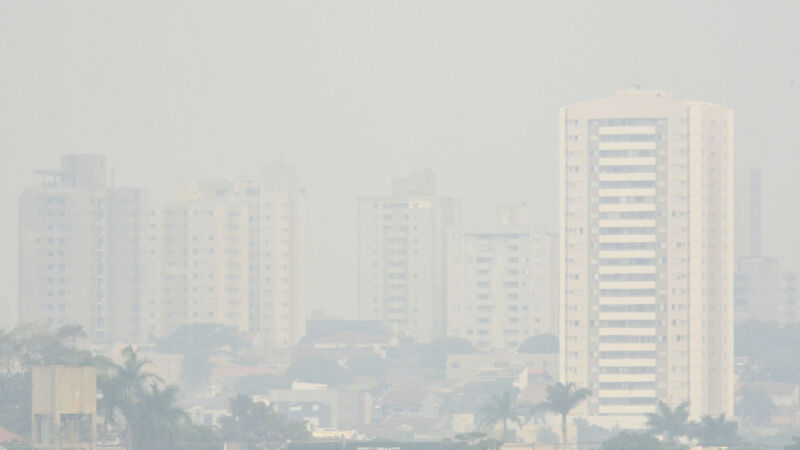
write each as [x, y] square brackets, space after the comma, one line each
[502, 285]
[401, 256]
[203, 264]
[81, 249]
[646, 254]
[233, 252]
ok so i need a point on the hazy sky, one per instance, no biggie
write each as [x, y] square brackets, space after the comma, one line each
[358, 92]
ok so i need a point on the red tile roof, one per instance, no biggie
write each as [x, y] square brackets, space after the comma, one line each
[10, 436]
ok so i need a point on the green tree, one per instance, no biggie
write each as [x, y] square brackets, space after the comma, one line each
[198, 343]
[546, 435]
[198, 437]
[157, 419]
[27, 346]
[122, 386]
[795, 445]
[254, 425]
[476, 440]
[669, 423]
[716, 431]
[755, 406]
[633, 441]
[541, 343]
[589, 434]
[503, 409]
[563, 398]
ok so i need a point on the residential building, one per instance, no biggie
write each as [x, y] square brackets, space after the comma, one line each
[233, 252]
[203, 253]
[756, 290]
[747, 212]
[468, 366]
[82, 244]
[402, 257]
[789, 296]
[502, 284]
[646, 254]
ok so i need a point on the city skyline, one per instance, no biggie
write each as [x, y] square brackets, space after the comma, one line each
[247, 98]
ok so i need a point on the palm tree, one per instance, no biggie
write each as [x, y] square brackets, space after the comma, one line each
[669, 423]
[122, 386]
[502, 409]
[716, 431]
[533, 411]
[254, 425]
[563, 398]
[158, 419]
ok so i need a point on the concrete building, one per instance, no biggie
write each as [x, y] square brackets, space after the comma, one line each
[502, 284]
[789, 296]
[81, 250]
[646, 254]
[233, 252]
[64, 408]
[756, 290]
[203, 259]
[747, 212]
[402, 256]
[469, 366]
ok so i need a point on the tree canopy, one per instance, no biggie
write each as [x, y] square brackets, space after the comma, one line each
[541, 343]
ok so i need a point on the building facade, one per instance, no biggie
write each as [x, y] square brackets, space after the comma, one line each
[646, 254]
[82, 245]
[747, 212]
[502, 285]
[234, 252]
[402, 256]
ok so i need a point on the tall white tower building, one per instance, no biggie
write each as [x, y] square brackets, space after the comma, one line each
[81, 249]
[402, 256]
[646, 225]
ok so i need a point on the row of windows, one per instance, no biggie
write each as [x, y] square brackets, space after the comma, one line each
[627, 199]
[627, 184]
[627, 339]
[627, 308]
[629, 215]
[624, 355]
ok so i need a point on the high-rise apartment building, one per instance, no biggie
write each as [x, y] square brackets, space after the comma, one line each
[203, 263]
[81, 249]
[402, 256]
[233, 252]
[502, 284]
[747, 212]
[757, 278]
[646, 252]
[756, 290]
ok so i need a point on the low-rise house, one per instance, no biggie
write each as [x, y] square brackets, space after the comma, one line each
[468, 366]
[782, 394]
[408, 403]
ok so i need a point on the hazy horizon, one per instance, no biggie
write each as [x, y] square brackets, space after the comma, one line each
[357, 93]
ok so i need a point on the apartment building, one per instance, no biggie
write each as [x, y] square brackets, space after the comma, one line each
[402, 256]
[646, 254]
[233, 252]
[81, 251]
[502, 284]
